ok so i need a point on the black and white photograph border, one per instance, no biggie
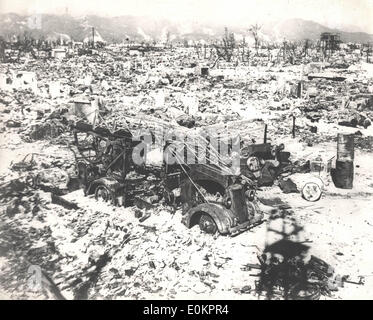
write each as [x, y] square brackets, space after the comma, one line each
[186, 150]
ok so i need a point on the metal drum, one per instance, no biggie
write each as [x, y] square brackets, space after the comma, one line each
[345, 147]
[343, 174]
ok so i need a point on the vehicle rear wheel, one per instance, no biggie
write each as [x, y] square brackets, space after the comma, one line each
[103, 194]
[207, 224]
[311, 191]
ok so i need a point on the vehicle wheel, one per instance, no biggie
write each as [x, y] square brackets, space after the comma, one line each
[311, 191]
[103, 194]
[207, 224]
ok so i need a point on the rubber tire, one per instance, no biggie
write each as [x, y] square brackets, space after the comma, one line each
[207, 224]
[314, 197]
[109, 195]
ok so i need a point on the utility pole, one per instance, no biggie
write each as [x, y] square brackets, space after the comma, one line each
[293, 129]
[243, 48]
[369, 48]
[306, 46]
[93, 37]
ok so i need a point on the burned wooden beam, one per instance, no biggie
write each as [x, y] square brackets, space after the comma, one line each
[63, 202]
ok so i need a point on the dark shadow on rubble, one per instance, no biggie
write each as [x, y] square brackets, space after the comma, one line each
[81, 292]
[284, 272]
[274, 202]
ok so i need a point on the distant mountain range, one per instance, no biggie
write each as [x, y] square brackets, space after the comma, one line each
[118, 29]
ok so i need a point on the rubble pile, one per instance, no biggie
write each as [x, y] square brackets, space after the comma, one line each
[102, 227]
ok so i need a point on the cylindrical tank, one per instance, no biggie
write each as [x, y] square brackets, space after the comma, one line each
[345, 147]
[343, 174]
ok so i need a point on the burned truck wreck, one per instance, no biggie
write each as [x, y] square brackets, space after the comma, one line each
[233, 210]
[209, 196]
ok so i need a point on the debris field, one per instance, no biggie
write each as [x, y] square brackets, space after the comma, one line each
[91, 224]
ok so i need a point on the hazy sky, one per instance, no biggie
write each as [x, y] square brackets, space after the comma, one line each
[333, 13]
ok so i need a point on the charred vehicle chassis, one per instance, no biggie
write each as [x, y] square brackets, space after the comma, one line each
[216, 201]
[232, 210]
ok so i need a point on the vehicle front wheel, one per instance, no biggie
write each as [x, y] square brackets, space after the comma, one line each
[102, 193]
[207, 224]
